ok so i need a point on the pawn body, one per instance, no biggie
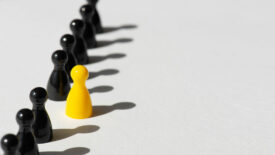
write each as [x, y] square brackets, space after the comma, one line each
[27, 144]
[42, 126]
[79, 104]
[87, 13]
[79, 49]
[58, 85]
[96, 18]
[9, 144]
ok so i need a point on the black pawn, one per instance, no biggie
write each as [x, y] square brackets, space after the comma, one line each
[96, 18]
[27, 144]
[59, 85]
[9, 144]
[79, 49]
[42, 126]
[67, 41]
[87, 13]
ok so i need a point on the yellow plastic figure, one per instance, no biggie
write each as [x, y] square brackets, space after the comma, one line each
[79, 104]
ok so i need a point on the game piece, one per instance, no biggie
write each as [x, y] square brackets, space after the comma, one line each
[27, 144]
[9, 144]
[67, 42]
[79, 49]
[79, 104]
[42, 126]
[58, 85]
[96, 18]
[87, 12]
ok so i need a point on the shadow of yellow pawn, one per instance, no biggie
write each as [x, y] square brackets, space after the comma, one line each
[79, 104]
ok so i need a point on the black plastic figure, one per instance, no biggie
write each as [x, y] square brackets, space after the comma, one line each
[67, 41]
[9, 144]
[59, 85]
[42, 126]
[27, 144]
[87, 13]
[96, 18]
[79, 49]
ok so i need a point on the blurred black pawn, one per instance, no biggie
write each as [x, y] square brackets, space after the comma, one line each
[27, 144]
[67, 42]
[42, 126]
[79, 49]
[87, 13]
[96, 18]
[9, 144]
[58, 86]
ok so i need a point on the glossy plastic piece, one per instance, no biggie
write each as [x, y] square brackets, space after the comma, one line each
[42, 126]
[96, 18]
[79, 104]
[67, 41]
[87, 13]
[58, 86]
[79, 49]
[9, 144]
[27, 144]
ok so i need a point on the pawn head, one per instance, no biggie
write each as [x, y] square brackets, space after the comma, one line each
[24, 117]
[87, 11]
[67, 41]
[77, 26]
[79, 73]
[59, 57]
[38, 96]
[92, 1]
[9, 143]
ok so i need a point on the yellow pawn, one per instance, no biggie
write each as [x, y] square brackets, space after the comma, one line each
[79, 104]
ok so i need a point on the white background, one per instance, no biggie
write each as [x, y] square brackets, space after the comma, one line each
[200, 73]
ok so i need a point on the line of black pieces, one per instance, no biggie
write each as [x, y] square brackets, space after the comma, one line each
[34, 125]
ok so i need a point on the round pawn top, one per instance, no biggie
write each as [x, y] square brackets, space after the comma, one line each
[59, 57]
[38, 96]
[77, 26]
[87, 11]
[92, 1]
[24, 117]
[9, 143]
[79, 73]
[67, 41]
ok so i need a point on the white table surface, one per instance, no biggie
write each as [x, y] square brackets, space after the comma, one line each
[194, 77]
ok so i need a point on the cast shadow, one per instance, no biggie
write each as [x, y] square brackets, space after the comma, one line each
[104, 72]
[104, 43]
[59, 134]
[104, 109]
[109, 29]
[100, 89]
[71, 151]
[95, 59]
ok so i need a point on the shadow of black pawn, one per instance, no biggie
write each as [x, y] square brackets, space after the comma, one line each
[104, 72]
[58, 86]
[71, 151]
[87, 12]
[59, 134]
[95, 59]
[113, 28]
[79, 49]
[42, 126]
[104, 109]
[9, 143]
[103, 43]
[67, 42]
[27, 143]
[100, 89]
